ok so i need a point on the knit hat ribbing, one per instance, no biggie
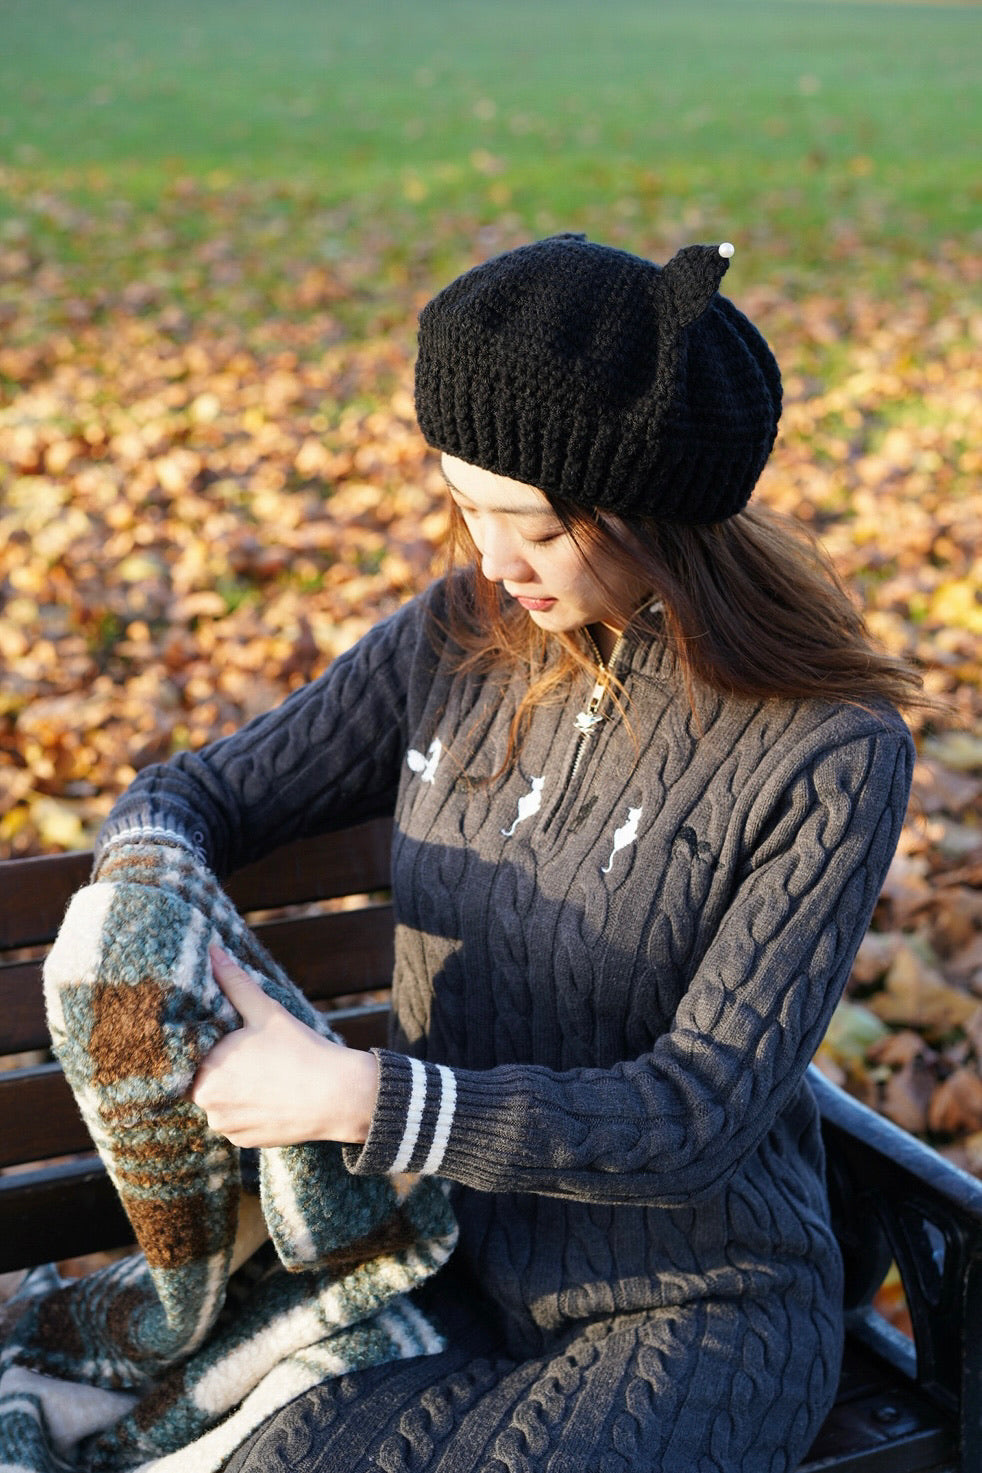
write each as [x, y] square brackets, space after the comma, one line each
[602, 379]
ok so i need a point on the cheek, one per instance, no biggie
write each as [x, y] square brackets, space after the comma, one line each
[582, 578]
[565, 563]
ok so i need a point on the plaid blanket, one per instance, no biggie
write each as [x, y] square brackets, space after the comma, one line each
[168, 1358]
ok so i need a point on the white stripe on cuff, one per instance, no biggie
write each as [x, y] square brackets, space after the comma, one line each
[414, 1117]
[444, 1121]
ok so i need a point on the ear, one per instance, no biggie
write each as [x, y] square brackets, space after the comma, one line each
[692, 277]
[684, 289]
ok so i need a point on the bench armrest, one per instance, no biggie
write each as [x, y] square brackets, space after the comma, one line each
[893, 1197]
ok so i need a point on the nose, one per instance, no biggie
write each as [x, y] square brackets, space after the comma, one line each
[501, 556]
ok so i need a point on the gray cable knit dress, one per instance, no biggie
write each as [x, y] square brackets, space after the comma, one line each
[613, 965]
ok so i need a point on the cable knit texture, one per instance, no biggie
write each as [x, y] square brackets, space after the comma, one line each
[613, 966]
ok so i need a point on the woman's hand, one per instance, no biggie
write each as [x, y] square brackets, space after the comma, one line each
[274, 1081]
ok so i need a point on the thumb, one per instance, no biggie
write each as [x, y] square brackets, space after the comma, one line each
[245, 995]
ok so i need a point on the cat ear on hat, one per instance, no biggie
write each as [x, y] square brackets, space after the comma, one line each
[692, 277]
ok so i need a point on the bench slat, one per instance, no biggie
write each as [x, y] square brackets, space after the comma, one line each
[363, 1027]
[22, 1022]
[62, 1212]
[334, 953]
[38, 1116]
[35, 892]
[317, 869]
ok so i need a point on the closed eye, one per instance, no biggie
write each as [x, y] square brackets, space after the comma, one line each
[540, 541]
[471, 514]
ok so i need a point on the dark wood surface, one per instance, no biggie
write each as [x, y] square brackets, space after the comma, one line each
[34, 892]
[68, 1209]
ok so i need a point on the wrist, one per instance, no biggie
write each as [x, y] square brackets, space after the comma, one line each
[355, 1097]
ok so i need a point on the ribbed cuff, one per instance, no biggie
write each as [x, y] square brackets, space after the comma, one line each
[413, 1118]
[127, 838]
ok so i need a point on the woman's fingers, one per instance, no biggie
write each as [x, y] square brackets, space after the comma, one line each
[275, 1081]
[246, 996]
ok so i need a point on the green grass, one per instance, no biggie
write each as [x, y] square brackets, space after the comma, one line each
[810, 128]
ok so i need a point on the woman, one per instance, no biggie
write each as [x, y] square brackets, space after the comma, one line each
[647, 778]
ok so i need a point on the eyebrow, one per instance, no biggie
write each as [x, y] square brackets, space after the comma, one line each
[510, 511]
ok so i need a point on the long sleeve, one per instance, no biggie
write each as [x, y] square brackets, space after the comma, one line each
[675, 1124]
[329, 756]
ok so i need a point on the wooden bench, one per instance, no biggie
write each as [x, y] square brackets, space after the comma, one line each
[903, 1407]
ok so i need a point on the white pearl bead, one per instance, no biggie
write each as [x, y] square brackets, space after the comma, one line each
[726, 249]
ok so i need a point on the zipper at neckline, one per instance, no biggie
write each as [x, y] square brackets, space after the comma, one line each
[587, 720]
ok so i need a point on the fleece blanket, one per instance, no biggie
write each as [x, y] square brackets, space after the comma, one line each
[249, 1286]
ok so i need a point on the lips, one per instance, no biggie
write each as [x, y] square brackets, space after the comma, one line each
[535, 605]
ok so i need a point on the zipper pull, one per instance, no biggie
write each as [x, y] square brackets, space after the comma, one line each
[586, 721]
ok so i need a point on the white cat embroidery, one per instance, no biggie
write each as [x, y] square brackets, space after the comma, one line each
[425, 766]
[626, 834]
[529, 804]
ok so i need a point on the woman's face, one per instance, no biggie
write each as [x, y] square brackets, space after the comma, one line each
[523, 546]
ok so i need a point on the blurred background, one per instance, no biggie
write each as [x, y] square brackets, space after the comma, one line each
[218, 221]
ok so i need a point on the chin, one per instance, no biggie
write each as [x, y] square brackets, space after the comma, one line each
[552, 619]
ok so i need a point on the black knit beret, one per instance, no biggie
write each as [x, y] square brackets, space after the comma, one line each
[602, 379]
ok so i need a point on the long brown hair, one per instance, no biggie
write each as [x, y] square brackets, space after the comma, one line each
[749, 607]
